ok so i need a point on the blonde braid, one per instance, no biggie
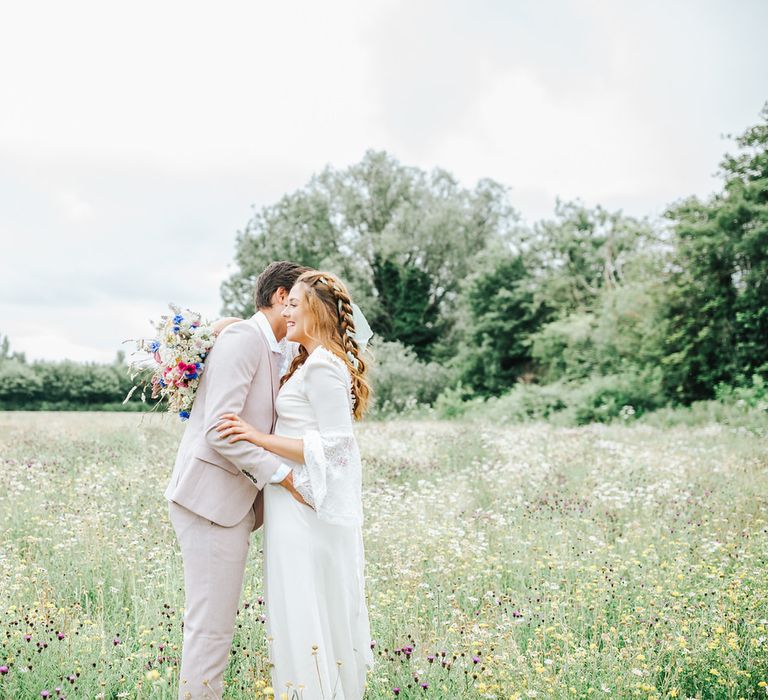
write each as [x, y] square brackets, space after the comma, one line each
[352, 357]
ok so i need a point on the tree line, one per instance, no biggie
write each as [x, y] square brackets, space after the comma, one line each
[67, 385]
[467, 303]
[633, 314]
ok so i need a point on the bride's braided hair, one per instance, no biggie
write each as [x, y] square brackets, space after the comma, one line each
[332, 324]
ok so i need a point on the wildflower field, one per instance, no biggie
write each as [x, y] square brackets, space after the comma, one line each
[502, 562]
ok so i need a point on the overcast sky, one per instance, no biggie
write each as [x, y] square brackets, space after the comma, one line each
[136, 137]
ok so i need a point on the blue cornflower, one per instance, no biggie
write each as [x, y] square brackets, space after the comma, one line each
[162, 382]
[155, 346]
[183, 415]
[176, 329]
[178, 318]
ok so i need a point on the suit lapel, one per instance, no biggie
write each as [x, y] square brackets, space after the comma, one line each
[274, 368]
[274, 377]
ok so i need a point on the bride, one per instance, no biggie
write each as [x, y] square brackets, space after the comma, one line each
[317, 620]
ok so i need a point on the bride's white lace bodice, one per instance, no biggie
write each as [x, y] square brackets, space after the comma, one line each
[315, 404]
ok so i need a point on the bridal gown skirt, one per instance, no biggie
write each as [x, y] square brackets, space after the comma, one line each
[317, 620]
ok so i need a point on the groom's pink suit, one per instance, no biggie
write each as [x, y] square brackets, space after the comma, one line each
[215, 498]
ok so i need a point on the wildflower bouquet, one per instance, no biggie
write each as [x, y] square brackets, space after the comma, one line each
[171, 364]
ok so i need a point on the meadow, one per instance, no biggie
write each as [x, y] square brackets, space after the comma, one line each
[527, 561]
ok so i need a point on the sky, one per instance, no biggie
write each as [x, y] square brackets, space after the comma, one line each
[137, 138]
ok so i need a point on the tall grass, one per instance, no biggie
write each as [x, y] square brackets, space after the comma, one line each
[615, 561]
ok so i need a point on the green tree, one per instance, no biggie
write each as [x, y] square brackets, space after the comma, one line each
[499, 315]
[599, 275]
[19, 384]
[718, 302]
[407, 311]
[582, 252]
[401, 238]
[623, 331]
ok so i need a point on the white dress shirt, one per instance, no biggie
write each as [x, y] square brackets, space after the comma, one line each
[286, 351]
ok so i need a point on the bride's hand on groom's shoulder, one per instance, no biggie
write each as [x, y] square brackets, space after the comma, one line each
[235, 428]
[219, 325]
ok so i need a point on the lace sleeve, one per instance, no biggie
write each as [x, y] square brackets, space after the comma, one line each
[332, 478]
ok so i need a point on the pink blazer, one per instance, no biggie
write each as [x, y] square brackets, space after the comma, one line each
[211, 477]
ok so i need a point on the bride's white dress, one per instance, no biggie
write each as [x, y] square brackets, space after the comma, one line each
[317, 620]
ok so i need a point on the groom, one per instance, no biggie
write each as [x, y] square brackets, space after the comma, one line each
[215, 493]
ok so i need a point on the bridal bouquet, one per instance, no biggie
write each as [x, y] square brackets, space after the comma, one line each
[170, 365]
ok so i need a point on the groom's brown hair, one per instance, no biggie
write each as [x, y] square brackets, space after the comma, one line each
[282, 273]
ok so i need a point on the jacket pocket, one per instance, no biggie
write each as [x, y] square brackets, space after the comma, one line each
[208, 454]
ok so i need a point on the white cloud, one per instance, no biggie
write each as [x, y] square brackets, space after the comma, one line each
[73, 206]
[183, 83]
[135, 138]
